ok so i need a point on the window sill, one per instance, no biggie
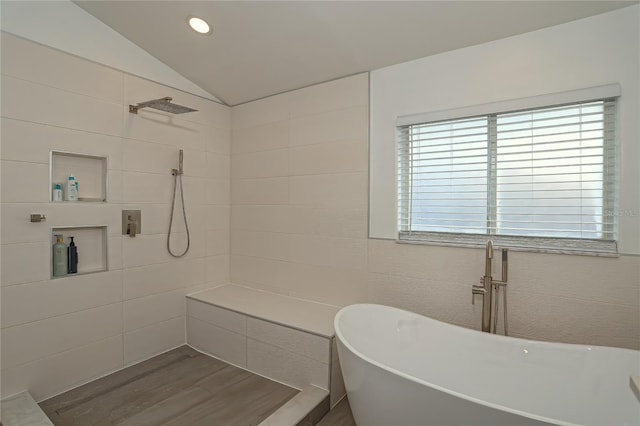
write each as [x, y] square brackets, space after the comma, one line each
[527, 244]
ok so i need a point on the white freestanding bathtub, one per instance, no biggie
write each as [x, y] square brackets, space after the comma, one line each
[401, 368]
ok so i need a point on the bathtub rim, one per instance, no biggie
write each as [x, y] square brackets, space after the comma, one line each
[469, 398]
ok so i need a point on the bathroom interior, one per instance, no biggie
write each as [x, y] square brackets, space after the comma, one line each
[232, 194]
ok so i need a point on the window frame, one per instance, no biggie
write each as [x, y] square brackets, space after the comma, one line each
[586, 246]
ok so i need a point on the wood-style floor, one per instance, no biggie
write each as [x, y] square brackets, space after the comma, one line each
[181, 387]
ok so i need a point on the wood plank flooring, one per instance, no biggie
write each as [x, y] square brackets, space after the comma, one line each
[180, 387]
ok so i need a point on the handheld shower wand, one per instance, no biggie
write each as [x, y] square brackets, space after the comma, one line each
[177, 173]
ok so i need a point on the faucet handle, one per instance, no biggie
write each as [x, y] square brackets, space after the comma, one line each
[476, 289]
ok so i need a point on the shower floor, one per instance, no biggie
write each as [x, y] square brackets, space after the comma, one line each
[179, 387]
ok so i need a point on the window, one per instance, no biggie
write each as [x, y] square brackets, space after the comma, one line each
[541, 178]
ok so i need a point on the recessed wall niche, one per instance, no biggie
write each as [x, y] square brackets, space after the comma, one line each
[90, 171]
[91, 243]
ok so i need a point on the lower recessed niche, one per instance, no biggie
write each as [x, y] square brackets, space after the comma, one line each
[91, 243]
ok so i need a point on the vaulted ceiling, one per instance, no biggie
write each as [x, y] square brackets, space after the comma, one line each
[260, 48]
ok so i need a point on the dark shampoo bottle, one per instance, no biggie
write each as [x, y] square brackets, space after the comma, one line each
[73, 257]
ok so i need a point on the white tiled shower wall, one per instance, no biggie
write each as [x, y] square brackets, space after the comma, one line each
[59, 333]
[299, 192]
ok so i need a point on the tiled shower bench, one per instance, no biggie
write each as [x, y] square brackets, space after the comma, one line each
[283, 338]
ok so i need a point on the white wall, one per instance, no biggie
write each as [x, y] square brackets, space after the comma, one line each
[57, 334]
[65, 26]
[595, 51]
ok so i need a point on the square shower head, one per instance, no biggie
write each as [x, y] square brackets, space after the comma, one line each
[162, 104]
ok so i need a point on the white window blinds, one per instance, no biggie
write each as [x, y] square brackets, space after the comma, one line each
[540, 178]
[443, 176]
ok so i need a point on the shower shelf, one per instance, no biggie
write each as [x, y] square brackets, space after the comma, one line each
[91, 241]
[90, 171]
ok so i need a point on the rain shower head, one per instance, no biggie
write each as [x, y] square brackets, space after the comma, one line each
[162, 104]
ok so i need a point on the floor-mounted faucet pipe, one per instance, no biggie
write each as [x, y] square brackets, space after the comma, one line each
[489, 288]
[485, 288]
[487, 283]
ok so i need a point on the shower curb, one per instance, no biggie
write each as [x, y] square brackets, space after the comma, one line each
[22, 410]
[305, 408]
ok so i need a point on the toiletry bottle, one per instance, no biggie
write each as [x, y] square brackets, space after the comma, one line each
[72, 189]
[73, 257]
[57, 192]
[59, 257]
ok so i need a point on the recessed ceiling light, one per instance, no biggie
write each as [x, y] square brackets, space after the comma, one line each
[199, 25]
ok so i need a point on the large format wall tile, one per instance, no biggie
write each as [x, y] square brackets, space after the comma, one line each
[300, 342]
[27, 101]
[343, 125]
[344, 253]
[271, 245]
[222, 318]
[25, 262]
[345, 190]
[33, 142]
[224, 344]
[259, 138]
[260, 191]
[335, 157]
[44, 299]
[152, 340]
[34, 62]
[261, 164]
[148, 310]
[287, 367]
[333, 95]
[299, 192]
[50, 376]
[24, 182]
[261, 112]
[157, 278]
[39, 339]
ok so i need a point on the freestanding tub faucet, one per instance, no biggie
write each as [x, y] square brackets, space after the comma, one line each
[486, 288]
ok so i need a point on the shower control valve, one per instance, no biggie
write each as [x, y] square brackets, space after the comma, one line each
[131, 222]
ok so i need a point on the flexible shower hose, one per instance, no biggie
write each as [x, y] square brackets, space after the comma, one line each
[184, 215]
